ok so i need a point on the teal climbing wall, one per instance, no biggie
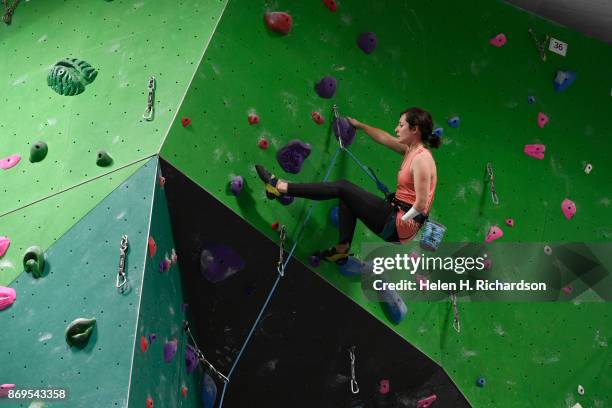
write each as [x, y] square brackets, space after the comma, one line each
[435, 55]
[126, 42]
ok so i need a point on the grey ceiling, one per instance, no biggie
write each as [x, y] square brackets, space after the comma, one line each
[590, 17]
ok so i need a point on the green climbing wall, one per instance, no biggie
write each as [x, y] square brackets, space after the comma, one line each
[435, 55]
[126, 42]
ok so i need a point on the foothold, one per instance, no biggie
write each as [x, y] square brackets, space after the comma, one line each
[344, 131]
[499, 40]
[587, 169]
[285, 199]
[144, 344]
[580, 390]
[367, 42]
[162, 181]
[535, 150]
[568, 290]
[79, 331]
[510, 222]
[10, 161]
[7, 297]
[173, 256]
[488, 263]
[292, 155]
[69, 76]
[152, 337]
[563, 80]
[164, 265]
[542, 119]
[454, 122]
[314, 261]
[149, 402]
[333, 216]
[481, 382]
[5, 242]
[103, 159]
[494, 233]
[318, 119]
[184, 391]
[262, 143]
[331, 5]
[279, 22]
[547, 250]
[170, 349]
[191, 359]
[218, 262]
[5, 388]
[326, 87]
[152, 247]
[275, 225]
[34, 261]
[38, 152]
[427, 402]
[185, 121]
[236, 185]
[569, 208]
[209, 391]
[253, 119]
[384, 387]
[438, 132]
[531, 100]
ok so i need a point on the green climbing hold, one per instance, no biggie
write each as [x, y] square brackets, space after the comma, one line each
[34, 261]
[79, 331]
[70, 76]
[103, 159]
[38, 152]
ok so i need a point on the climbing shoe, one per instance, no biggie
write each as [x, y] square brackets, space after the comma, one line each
[270, 180]
[332, 255]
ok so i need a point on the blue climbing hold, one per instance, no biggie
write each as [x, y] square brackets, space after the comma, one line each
[563, 80]
[285, 199]
[333, 216]
[209, 391]
[481, 382]
[394, 305]
[438, 132]
[531, 99]
[353, 267]
[454, 122]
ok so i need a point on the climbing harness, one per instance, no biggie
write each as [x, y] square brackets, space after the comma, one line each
[8, 11]
[121, 283]
[148, 115]
[492, 184]
[200, 355]
[456, 322]
[541, 46]
[354, 386]
[280, 268]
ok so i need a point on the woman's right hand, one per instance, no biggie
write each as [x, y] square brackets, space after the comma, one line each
[355, 123]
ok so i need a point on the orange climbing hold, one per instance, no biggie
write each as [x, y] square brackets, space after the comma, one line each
[318, 119]
[152, 247]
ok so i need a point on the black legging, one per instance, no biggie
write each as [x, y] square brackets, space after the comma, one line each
[355, 203]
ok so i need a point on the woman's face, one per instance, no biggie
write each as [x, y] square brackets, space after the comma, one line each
[404, 133]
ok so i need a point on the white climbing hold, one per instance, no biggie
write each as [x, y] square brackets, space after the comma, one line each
[547, 250]
[588, 168]
[577, 405]
[580, 390]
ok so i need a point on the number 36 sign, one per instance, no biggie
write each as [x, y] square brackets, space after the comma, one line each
[557, 46]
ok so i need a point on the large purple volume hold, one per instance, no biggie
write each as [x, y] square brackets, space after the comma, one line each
[326, 87]
[292, 155]
[218, 262]
[367, 42]
[344, 131]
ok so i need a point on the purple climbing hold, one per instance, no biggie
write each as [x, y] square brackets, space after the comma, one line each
[314, 261]
[292, 155]
[285, 199]
[237, 184]
[344, 131]
[191, 359]
[326, 87]
[218, 262]
[170, 350]
[152, 337]
[184, 307]
[367, 42]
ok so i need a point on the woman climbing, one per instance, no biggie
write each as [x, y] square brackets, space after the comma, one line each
[401, 215]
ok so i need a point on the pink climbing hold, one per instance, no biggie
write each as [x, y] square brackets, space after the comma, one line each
[542, 119]
[426, 402]
[494, 233]
[7, 297]
[488, 263]
[5, 388]
[318, 119]
[499, 40]
[5, 242]
[510, 222]
[384, 387]
[152, 247]
[568, 290]
[535, 150]
[278, 21]
[422, 280]
[10, 161]
[569, 208]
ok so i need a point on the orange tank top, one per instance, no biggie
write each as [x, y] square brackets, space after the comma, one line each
[406, 192]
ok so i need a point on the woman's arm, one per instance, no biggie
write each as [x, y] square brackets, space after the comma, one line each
[422, 179]
[379, 136]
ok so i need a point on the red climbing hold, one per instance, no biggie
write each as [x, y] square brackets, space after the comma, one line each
[331, 5]
[542, 120]
[5, 242]
[144, 344]
[263, 144]
[384, 387]
[498, 41]
[149, 402]
[10, 161]
[569, 208]
[152, 247]
[162, 181]
[253, 119]
[316, 116]
[535, 150]
[494, 233]
[184, 391]
[278, 21]
[185, 121]
[275, 225]
[510, 222]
